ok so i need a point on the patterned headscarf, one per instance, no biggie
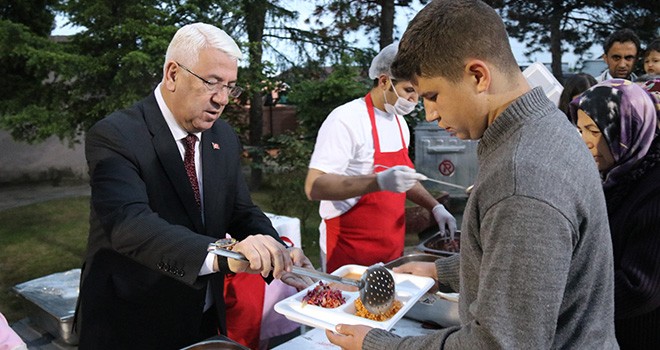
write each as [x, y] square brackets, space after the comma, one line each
[626, 115]
[653, 86]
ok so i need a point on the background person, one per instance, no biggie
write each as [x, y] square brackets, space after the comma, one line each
[619, 123]
[361, 173]
[573, 86]
[620, 53]
[652, 58]
[166, 181]
[535, 268]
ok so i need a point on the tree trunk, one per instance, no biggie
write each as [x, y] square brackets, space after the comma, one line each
[555, 39]
[255, 18]
[386, 23]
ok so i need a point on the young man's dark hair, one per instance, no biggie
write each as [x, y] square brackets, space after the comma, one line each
[445, 57]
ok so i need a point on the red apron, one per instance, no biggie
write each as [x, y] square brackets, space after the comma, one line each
[373, 230]
[244, 300]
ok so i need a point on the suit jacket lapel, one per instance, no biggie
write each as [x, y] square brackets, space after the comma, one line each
[170, 159]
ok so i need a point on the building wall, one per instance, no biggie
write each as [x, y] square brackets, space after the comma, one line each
[51, 160]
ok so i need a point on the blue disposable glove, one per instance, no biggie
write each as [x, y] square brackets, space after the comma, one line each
[446, 221]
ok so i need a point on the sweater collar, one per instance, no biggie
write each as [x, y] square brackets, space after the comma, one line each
[528, 106]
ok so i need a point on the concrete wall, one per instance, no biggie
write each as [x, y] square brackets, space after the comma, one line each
[50, 160]
[54, 161]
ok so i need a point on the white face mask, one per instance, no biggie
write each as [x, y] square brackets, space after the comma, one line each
[401, 106]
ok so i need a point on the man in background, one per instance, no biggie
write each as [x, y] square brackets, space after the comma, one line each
[621, 50]
[361, 172]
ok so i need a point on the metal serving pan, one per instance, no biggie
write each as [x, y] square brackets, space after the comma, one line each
[439, 245]
[218, 342]
[439, 308]
[52, 300]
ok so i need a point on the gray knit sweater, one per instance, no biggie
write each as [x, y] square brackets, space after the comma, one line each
[536, 257]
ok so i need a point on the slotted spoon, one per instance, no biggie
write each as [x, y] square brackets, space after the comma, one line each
[376, 285]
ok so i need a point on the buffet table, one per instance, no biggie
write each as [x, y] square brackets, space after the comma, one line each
[316, 338]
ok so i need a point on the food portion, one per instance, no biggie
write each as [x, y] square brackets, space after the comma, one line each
[453, 246]
[361, 311]
[444, 244]
[324, 296]
[333, 306]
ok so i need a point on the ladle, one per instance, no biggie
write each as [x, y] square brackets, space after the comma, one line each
[376, 285]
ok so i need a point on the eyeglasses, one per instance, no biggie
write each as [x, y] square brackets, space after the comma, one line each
[215, 86]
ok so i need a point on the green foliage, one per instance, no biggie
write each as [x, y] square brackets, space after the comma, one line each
[315, 99]
[37, 72]
[37, 15]
[62, 88]
[286, 168]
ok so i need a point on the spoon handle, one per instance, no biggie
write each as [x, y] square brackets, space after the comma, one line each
[296, 269]
[325, 276]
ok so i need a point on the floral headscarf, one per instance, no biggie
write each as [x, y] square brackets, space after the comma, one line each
[626, 115]
[653, 87]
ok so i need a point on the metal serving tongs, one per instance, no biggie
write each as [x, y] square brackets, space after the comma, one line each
[376, 285]
[467, 190]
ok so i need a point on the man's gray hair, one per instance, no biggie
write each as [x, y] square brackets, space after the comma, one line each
[190, 39]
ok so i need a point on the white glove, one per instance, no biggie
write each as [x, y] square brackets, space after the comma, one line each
[398, 179]
[445, 220]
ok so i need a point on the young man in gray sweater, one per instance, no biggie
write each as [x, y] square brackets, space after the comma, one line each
[535, 269]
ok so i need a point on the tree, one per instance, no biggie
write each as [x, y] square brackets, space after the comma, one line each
[555, 25]
[113, 62]
[351, 16]
[37, 15]
[25, 55]
[259, 23]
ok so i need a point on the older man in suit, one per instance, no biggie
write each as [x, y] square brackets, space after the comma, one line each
[166, 182]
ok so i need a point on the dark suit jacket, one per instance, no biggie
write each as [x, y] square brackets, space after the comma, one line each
[147, 242]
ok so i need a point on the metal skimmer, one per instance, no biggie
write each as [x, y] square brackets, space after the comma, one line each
[377, 288]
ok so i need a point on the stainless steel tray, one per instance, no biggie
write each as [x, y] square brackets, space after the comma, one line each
[52, 302]
[439, 308]
[439, 245]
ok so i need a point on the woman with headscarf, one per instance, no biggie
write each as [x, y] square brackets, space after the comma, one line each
[618, 121]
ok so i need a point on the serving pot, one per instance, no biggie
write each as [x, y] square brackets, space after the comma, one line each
[216, 343]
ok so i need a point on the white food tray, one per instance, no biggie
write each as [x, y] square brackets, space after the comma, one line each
[409, 289]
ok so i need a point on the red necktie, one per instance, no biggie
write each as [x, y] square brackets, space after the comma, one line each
[189, 163]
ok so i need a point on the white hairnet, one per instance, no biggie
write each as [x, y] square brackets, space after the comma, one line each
[382, 62]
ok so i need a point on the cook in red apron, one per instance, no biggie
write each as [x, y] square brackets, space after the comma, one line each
[373, 230]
